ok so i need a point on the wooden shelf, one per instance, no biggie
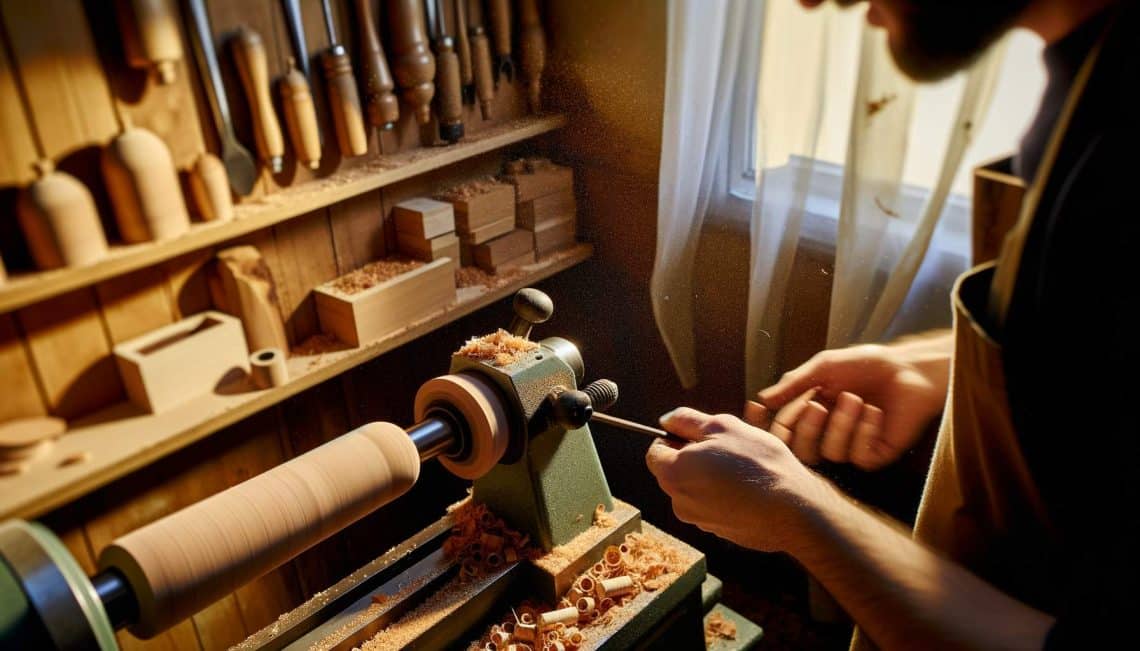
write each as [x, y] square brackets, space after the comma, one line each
[26, 288]
[122, 439]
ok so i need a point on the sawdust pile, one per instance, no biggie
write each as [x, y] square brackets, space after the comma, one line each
[472, 189]
[372, 274]
[501, 348]
[481, 542]
[718, 628]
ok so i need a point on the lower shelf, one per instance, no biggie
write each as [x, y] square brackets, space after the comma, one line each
[121, 439]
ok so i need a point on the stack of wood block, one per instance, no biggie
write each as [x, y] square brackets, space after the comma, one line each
[485, 221]
[425, 230]
[546, 205]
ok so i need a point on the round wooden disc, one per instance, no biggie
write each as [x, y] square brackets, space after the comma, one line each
[30, 432]
[26, 453]
[478, 402]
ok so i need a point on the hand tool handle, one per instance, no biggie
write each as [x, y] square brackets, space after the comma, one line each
[481, 63]
[501, 27]
[344, 103]
[463, 44]
[450, 93]
[249, 53]
[532, 51]
[383, 108]
[301, 117]
[414, 65]
[297, 34]
[150, 36]
[208, 59]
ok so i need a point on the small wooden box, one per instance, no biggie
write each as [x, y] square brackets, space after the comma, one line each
[424, 218]
[376, 312]
[174, 363]
[547, 208]
[495, 204]
[554, 235]
[444, 246]
[538, 178]
[488, 232]
[492, 255]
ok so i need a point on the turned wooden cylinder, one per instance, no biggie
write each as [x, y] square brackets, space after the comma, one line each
[184, 562]
[344, 103]
[59, 220]
[267, 368]
[210, 189]
[143, 186]
[414, 65]
[301, 117]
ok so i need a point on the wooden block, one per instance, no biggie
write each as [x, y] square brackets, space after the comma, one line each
[555, 235]
[551, 207]
[444, 246]
[495, 203]
[534, 178]
[488, 232]
[250, 294]
[168, 366]
[424, 218]
[513, 263]
[373, 313]
[493, 254]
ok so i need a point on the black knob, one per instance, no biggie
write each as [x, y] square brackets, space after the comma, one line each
[531, 307]
[571, 409]
[603, 394]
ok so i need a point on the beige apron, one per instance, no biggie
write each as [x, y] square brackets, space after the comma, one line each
[981, 506]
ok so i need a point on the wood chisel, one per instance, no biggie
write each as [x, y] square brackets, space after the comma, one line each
[500, 11]
[297, 34]
[297, 95]
[481, 68]
[240, 166]
[344, 103]
[413, 63]
[383, 107]
[463, 49]
[249, 55]
[532, 52]
[636, 427]
[448, 92]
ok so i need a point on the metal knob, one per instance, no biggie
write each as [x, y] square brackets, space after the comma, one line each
[531, 306]
[571, 409]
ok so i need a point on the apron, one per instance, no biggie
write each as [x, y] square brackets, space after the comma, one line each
[981, 506]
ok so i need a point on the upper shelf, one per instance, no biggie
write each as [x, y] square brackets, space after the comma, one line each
[27, 288]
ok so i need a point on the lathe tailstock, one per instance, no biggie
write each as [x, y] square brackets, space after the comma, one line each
[509, 416]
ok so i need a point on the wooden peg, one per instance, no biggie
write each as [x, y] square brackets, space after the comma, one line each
[414, 64]
[383, 107]
[59, 220]
[210, 189]
[301, 117]
[143, 186]
[249, 53]
[150, 36]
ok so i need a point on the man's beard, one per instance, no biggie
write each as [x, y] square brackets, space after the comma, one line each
[940, 37]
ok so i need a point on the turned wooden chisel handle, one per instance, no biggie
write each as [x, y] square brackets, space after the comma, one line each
[301, 116]
[532, 51]
[151, 37]
[344, 103]
[414, 65]
[481, 68]
[249, 53]
[500, 11]
[463, 44]
[383, 107]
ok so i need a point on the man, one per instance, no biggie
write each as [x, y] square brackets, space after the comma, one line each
[1026, 533]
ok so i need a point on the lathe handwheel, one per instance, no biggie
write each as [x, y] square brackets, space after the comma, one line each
[477, 403]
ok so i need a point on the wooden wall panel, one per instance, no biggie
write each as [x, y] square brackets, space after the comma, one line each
[22, 397]
[358, 230]
[72, 356]
[304, 259]
[67, 92]
[17, 149]
[186, 283]
[134, 304]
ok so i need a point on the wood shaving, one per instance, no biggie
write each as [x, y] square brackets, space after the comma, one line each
[501, 348]
[529, 165]
[481, 542]
[718, 628]
[602, 517]
[472, 189]
[372, 274]
[317, 345]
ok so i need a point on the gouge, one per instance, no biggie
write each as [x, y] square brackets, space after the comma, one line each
[383, 108]
[344, 103]
[448, 92]
[481, 68]
[532, 51]
[249, 54]
[463, 48]
[240, 167]
[500, 11]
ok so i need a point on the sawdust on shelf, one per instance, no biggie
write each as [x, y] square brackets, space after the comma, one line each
[472, 189]
[501, 348]
[372, 274]
[718, 628]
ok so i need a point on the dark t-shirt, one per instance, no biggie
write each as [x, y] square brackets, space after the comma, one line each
[1070, 341]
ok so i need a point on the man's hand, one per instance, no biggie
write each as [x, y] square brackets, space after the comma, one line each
[866, 405]
[736, 481]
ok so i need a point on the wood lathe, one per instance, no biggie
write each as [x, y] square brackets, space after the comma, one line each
[516, 424]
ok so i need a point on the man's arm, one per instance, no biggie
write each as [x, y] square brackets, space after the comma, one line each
[744, 484]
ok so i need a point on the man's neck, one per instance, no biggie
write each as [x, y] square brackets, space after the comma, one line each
[1055, 19]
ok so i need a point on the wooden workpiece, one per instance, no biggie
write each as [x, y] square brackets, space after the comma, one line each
[538, 177]
[60, 222]
[554, 235]
[552, 207]
[267, 368]
[424, 218]
[441, 246]
[144, 188]
[481, 202]
[151, 38]
[493, 254]
[168, 366]
[210, 189]
[382, 297]
[247, 291]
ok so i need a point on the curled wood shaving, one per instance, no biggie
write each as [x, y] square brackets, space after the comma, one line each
[719, 628]
[482, 542]
[501, 348]
[372, 274]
